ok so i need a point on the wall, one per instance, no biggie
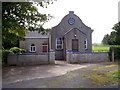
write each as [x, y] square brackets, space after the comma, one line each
[90, 57]
[31, 58]
[49, 58]
[37, 41]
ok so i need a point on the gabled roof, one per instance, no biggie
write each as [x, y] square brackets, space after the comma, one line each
[35, 34]
[69, 15]
[73, 29]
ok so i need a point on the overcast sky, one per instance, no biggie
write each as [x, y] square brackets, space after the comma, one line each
[100, 15]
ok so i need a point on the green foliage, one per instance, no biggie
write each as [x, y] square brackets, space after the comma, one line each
[117, 29]
[105, 39]
[23, 51]
[17, 50]
[12, 50]
[7, 43]
[102, 78]
[110, 39]
[108, 48]
[19, 17]
[4, 55]
[44, 3]
[116, 74]
[116, 52]
[114, 37]
[100, 48]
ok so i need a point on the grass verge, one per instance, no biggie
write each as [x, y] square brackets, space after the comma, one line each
[103, 78]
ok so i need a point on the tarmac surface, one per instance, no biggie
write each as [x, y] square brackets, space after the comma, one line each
[60, 75]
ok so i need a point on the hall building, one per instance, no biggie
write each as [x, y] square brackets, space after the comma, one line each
[71, 34]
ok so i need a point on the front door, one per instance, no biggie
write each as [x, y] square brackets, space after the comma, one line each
[75, 44]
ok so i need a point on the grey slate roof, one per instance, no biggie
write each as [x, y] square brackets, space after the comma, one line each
[35, 34]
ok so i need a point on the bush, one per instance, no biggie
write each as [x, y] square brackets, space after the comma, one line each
[17, 50]
[23, 50]
[12, 50]
[116, 52]
[5, 54]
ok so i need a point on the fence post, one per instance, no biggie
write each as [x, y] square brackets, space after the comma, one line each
[113, 54]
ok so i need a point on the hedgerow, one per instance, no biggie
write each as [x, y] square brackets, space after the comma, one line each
[13, 50]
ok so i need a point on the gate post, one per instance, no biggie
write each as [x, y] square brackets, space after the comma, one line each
[113, 54]
[51, 56]
[69, 56]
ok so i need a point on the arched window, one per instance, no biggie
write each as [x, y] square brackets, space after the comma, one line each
[59, 43]
[32, 48]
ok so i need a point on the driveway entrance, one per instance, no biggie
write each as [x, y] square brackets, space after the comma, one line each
[59, 76]
[57, 62]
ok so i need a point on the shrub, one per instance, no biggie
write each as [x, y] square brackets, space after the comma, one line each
[12, 50]
[4, 55]
[23, 50]
[17, 50]
[116, 52]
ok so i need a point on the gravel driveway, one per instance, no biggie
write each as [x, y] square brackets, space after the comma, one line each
[54, 76]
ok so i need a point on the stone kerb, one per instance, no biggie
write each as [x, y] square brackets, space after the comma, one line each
[52, 56]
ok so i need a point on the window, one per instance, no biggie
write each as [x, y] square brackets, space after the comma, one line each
[59, 43]
[85, 42]
[32, 48]
[44, 48]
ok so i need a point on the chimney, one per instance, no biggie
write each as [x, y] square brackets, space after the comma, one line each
[71, 12]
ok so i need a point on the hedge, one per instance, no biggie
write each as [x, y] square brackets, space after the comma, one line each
[17, 50]
[12, 50]
[4, 55]
[116, 52]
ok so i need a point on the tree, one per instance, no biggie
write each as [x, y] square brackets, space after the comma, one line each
[114, 37]
[105, 39]
[19, 17]
[116, 27]
[110, 39]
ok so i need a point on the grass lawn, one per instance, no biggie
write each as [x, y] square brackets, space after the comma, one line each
[101, 78]
[104, 78]
[100, 48]
[103, 48]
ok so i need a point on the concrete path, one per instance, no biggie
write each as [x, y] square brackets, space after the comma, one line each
[14, 74]
[51, 76]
